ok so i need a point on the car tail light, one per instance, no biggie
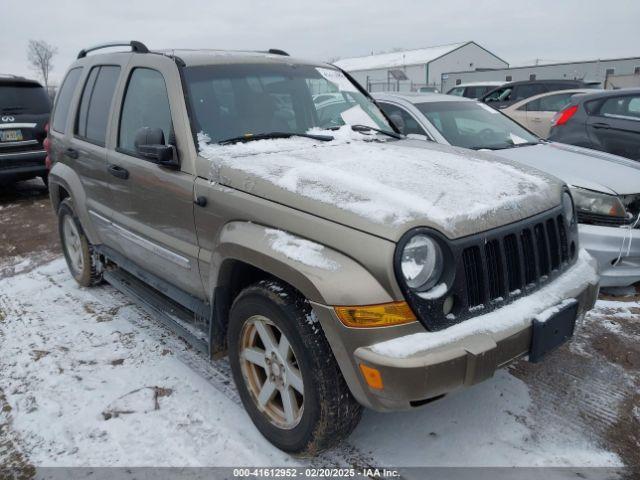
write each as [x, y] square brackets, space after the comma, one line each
[46, 144]
[563, 116]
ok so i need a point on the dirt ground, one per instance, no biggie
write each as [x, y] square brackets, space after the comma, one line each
[590, 385]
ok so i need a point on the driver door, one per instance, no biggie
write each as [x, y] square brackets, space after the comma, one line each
[155, 221]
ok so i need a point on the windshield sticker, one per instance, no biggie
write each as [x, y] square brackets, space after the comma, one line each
[487, 107]
[357, 116]
[516, 139]
[338, 79]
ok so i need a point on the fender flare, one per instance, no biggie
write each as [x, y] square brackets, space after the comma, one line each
[325, 276]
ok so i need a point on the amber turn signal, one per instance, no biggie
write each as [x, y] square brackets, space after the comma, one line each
[382, 315]
[372, 377]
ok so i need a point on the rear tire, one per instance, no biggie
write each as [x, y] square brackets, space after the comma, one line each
[78, 252]
[289, 383]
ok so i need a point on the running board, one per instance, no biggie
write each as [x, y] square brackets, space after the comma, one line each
[173, 315]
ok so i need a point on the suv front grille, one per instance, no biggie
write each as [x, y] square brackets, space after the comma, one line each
[493, 268]
[527, 262]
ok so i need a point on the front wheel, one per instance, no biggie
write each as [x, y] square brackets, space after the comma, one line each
[285, 372]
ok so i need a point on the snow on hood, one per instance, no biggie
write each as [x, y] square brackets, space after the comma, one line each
[581, 167]
[394, 184]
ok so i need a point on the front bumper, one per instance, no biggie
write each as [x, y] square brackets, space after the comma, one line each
[16, 166]
[606, 245]
[421, 365]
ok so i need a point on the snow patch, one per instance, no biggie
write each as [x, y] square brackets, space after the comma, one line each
[386, 182]
[303, 251]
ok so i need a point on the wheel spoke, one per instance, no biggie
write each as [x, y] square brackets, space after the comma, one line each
[254, 356]
[290, 404]
[294, 378]
[266, 335]
[266, 393]
[283, 347]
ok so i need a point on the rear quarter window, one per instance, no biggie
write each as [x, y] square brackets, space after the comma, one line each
[95, 106]
[63, 101]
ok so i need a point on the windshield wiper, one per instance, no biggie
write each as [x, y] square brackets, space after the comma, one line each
[249, 137]
[518, 145]
[366, 128]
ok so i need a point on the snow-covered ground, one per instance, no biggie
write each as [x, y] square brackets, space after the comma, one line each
[90, 379]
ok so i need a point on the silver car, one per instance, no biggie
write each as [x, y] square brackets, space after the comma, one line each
[606, 188]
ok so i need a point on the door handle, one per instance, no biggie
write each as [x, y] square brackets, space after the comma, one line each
[118, 171]
[600, 125]
[71, 153]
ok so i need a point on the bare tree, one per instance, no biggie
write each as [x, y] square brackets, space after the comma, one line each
[40, 54]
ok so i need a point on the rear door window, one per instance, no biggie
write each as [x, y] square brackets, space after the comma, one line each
[93, 114]
[146, 104]
[550, 103]
[63, 101]
[526, 91]
[621, 107]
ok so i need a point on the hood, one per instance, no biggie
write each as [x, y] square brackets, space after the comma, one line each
[581, 167]
[385, 188]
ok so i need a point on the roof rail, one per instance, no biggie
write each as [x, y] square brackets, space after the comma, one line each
[277, 51]
[136, 47]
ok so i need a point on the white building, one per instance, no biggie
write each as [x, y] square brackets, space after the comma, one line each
[597, 71]
[409, 70]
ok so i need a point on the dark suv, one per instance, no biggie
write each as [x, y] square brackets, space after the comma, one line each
[513, 92]
[24, 116]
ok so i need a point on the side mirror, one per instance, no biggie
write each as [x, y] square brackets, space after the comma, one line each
[150, 144]
[398, 121]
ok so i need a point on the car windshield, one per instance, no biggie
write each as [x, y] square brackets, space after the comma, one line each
[23, 98]
[475, 125]
[231, 101]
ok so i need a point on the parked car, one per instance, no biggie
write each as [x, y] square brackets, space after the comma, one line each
[24, 113]
[513, 92]
[473, 89]
[606, 188]
[338, 264]
[536, 113]
[607, 120]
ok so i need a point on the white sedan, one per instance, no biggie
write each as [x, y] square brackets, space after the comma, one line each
[605, 187]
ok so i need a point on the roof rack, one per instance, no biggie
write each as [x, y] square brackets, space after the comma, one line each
[277, 51]
[136, 47]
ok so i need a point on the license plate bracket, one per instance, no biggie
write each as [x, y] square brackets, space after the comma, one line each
[548, 334]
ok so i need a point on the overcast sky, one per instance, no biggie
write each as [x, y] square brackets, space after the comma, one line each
[517, 31]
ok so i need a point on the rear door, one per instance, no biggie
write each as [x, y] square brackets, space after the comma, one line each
[85, 151]
[615, 126]
[155, 221]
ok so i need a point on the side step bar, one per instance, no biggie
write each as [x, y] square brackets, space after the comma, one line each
[170, 313]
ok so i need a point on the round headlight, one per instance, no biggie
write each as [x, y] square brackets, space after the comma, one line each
[421, 262]
[567, 206]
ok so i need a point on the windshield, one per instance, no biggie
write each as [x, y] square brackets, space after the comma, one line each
[475, 125]
[229, 101]
[23, 98]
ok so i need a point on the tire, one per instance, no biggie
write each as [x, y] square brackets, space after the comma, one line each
[327, 412]
[78, 252]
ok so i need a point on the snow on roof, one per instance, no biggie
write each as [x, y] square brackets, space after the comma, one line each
[397, 59]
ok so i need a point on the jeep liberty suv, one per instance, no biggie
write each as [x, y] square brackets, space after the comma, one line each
[337, 263]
